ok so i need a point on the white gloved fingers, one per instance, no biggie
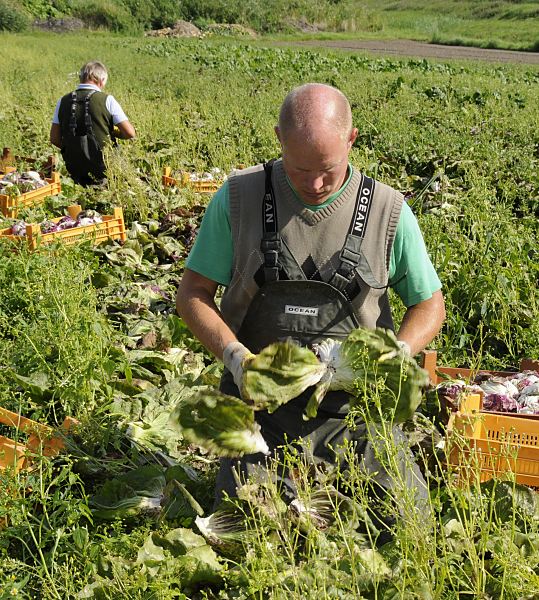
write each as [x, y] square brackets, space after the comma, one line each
[405, 347]
[234, 356]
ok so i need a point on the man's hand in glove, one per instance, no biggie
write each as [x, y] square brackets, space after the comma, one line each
[404, 346]
[235, 356]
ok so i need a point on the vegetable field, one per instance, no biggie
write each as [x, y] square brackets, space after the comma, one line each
[126, 510]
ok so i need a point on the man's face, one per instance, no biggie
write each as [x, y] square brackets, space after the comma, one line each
[316, 169]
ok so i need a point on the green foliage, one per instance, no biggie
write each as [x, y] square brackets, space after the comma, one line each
[502, 24]
[272, 16]
[52, 340]
[105, 14]
[43, 9]
[11, 17]
[154, 14]
[91, 333]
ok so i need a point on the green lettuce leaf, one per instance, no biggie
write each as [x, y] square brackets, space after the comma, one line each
[279, 373]
[136, 492]
[221, 424]
[183, 552]
[370, 365]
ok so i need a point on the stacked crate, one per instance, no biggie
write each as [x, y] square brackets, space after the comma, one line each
[490, 444]
[10, 205]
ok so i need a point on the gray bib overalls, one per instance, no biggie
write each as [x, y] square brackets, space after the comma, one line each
[290, 305]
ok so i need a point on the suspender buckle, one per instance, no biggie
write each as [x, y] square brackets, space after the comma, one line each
[350, 256]
[271, 242]
[346, 269]
[270, 246]
[271, 259]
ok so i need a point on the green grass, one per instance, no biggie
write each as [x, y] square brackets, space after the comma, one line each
[502, 25]
[479, 23]
[461, 139]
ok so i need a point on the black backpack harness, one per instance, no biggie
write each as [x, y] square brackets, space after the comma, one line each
[87, 118]
[81, 149]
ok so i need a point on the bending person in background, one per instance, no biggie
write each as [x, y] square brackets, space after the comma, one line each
[306, 247]
[84, 121]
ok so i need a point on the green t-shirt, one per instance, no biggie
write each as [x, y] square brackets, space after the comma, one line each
[410, 266]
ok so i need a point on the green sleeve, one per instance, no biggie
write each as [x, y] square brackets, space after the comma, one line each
[411, 273]
[212, 252]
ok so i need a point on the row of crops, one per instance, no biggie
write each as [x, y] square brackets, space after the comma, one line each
[126, 511]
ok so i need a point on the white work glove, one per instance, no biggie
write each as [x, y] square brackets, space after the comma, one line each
[405, 348]
[234, 356]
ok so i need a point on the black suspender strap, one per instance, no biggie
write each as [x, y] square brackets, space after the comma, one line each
[358, 225]
[271, 238]
[87, 117]
[271, 244]
[73, 114]
[350, 255]
[279, 264]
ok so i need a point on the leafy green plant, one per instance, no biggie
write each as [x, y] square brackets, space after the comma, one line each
[53, 342]
[11, 17]
[104, 14]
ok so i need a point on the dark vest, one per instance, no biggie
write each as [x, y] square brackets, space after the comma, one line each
[101, 118]
[311, 237]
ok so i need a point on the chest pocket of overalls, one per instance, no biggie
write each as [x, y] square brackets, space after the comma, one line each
[304, 311]
[290, 306]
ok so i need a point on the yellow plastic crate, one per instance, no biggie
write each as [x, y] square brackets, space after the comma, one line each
[42, 439]
[112, 228]
[6, 171]
[428, 362]
[8, 162]
[202, 187]
[10, 205]
[497, 445]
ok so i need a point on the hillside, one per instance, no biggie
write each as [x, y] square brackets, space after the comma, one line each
[503, 24]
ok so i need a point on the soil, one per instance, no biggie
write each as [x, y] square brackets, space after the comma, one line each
[179, 29]
[423, 50]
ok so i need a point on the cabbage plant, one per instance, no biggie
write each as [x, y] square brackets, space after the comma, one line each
[147, 490]
[371, 366]
[368, 364]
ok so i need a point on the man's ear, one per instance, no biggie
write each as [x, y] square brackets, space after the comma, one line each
[278, 134]
[353, 136]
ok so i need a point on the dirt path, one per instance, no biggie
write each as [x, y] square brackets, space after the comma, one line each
[422, 50]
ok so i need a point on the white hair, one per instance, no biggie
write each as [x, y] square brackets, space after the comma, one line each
[93, 71]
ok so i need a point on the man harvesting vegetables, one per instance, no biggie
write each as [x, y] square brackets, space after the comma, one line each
[84, 120]
[306, 247]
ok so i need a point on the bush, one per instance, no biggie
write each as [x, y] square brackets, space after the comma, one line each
[164, 13]
[104, 14]
[11, 18]
[270, 15]
[44, 9]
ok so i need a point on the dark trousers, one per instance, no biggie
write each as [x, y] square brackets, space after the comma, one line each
[327, 441]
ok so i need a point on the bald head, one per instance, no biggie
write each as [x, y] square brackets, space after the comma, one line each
[314, 109]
